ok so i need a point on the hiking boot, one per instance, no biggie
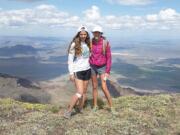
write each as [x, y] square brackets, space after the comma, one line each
[67, 114]
[95, 108]
[113, 111]
[78, 109]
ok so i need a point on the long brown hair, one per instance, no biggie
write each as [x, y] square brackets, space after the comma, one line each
[77, 41]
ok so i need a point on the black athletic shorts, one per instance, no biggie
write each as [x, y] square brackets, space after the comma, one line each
[83, 75]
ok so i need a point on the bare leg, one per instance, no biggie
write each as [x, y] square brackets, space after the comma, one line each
[75, 98]
[85, 85]
[95, 92]
[106, 91]
[73, 102]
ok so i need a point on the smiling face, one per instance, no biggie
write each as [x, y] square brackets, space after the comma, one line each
[83, 36]
[97, 35]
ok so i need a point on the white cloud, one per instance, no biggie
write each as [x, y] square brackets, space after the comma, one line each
[92, 14]
[43, 14]
[121, 22]
[49, 16]
[168, 14]
[131, 2]
[166, 19]
[46, 7]
[152, 18]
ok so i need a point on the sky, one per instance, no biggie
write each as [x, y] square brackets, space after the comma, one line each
[119, 18]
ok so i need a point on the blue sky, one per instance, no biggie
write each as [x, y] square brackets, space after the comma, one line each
[125, 18]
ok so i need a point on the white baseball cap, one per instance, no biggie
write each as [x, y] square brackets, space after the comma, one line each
[97, 29]
[82, 28]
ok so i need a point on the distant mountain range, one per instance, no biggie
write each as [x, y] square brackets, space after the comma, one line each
[141, 65]
[56, 91]
[17, 49]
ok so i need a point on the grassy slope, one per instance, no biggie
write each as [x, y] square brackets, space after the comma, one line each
[138, 115]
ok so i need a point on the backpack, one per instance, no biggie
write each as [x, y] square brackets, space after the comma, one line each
[105, 42]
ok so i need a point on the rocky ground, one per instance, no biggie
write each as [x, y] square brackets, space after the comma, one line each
[137, 115]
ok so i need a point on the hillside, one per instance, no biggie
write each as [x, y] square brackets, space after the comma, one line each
[137, 115]
[55, 91]
[22, 89]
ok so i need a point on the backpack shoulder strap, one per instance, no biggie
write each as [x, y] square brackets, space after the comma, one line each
[91, 45]
[104, 46]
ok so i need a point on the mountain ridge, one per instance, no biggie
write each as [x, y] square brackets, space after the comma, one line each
[137, 115]
[56, 91]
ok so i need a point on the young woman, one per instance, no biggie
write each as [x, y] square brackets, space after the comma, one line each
[100, 61]
[79, 68]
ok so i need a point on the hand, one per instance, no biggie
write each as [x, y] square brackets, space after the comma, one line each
[71, 78]
[106, 75]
